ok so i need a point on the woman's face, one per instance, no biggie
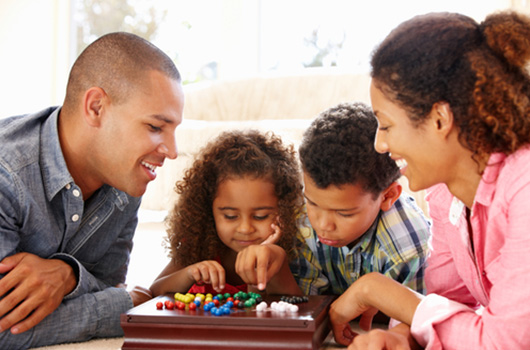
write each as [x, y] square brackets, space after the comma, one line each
[414, 148]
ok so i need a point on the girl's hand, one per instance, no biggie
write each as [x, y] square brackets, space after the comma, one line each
[207, 272]
[257, 264]
[140, 295]
[275, 235]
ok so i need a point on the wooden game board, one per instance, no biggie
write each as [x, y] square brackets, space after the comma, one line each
[145, 327]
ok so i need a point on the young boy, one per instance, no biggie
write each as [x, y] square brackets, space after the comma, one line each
[360, 221]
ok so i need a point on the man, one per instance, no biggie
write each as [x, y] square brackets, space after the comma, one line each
[71, 178]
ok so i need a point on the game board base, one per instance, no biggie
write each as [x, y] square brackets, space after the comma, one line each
[147, 328]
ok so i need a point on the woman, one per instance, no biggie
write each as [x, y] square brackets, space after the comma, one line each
[452, 99]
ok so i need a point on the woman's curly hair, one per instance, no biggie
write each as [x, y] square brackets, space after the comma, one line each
[478, 69]
[192, 234]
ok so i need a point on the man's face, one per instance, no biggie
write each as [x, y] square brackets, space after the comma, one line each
[138, 134]
[340, 215]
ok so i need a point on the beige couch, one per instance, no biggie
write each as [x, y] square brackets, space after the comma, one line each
[283, 104]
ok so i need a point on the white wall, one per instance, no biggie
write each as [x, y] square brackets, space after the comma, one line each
[36, 36]
[34, 54]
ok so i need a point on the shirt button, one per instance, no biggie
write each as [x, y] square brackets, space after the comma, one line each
[75, 217]
[68, 186]
[76, 192]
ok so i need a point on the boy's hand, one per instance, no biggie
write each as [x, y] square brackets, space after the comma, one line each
[257, 264]
[207, 272]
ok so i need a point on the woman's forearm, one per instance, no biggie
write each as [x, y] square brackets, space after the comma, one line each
[388, 296]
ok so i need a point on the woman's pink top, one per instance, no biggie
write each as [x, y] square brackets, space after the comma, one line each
[479, 297]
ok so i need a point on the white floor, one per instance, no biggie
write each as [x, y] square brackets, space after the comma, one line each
[148, 256]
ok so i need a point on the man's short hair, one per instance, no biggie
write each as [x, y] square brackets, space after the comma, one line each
[117, 63]
[338, 149]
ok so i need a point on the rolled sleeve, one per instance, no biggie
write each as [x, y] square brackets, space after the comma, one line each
[95, 315]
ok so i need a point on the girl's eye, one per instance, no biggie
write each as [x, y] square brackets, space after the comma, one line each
[230, 217]
[262, 217]
[154, 128]
[384, 128]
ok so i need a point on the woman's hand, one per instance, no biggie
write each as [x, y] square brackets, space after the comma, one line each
[365, 297]
[207, 272]
[397, 338]
[347, 307]
[379, 339]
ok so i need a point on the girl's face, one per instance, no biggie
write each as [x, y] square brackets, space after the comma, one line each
[244, 210]
[414, 148]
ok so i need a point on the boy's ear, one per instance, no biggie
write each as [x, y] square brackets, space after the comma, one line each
[93, 102]
[390, 195]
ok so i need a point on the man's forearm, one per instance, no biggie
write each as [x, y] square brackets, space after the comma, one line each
[95, 315]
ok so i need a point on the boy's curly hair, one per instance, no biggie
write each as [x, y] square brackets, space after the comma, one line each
[479, 69]
[338, 149]
[192, 235]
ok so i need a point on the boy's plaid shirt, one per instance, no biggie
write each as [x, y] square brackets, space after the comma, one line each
[396, 245]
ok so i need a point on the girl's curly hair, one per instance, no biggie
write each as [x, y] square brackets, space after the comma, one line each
[192, 235]
[479, 69]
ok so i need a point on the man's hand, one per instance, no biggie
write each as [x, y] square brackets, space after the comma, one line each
[32, 288]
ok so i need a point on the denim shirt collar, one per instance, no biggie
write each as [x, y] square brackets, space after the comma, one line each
[54, 170]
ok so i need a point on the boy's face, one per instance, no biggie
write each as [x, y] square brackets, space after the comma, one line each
[340, 215]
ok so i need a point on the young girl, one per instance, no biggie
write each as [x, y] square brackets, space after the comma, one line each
[452, 99]
[242, 194]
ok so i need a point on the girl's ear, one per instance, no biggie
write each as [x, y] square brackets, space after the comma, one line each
[93, 103]
[390, 195]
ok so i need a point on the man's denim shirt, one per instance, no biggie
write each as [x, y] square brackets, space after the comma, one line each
[42, 212]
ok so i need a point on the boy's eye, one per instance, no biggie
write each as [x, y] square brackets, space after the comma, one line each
[383, 128]
[345, 215]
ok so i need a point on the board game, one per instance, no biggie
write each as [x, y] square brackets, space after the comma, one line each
[149, 327]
